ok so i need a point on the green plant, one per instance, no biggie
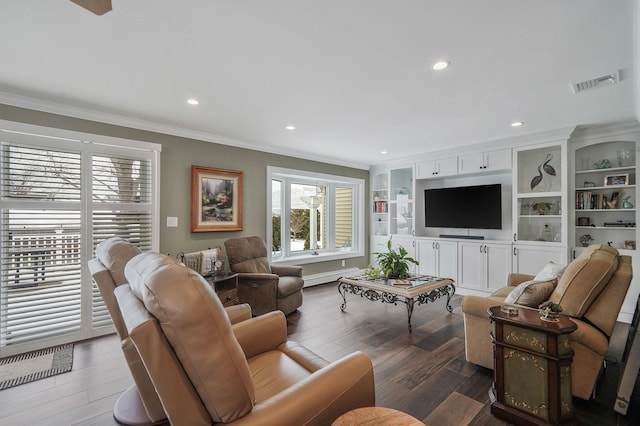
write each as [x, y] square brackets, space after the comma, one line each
[373, 272]
[549, 309]
[394, 264]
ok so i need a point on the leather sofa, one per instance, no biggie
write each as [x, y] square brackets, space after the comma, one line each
[591, 291]
[140, 404]
[208, 371]
[264, 286]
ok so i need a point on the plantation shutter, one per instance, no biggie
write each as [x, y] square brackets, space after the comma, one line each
[121, 207]
[41, 241]
[61, 194]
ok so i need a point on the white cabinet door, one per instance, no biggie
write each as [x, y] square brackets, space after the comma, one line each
[471, 265]
[447, 166]
[425, 170]
[437, 258]
[483, 266]
[437, 168]
[498, 263]
[531, 259]
[497, 160]
[448, 260]
[484, 161]
[470, 163]
[427, 256]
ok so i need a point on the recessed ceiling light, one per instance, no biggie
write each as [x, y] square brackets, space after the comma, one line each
[383, 152]
[192, 101]
[290, 127]
[440, 65]
[517, 123]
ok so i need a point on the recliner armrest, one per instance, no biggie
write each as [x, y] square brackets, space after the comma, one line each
[287, 270]
[238, 313]
[262, 333]
[478, 306]
[257, 277]
[320, 398]
[515, 279]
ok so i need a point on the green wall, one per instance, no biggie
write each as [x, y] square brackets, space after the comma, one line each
[178, 155]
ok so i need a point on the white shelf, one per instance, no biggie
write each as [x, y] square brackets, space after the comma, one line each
[548, 216]
[599, 188]
[609, 169]
[609, 228]
[539, 194]
[605, 210]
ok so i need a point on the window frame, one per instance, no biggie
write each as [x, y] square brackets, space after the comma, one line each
[293, 176]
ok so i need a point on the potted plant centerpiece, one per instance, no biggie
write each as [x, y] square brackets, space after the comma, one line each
[549, 311]
[394, 264]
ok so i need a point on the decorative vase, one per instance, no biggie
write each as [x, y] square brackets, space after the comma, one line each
[626, 204]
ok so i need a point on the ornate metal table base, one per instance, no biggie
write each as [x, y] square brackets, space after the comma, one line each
[394, 294]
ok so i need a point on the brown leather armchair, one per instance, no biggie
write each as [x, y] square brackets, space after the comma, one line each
[140, 404]
[208, 371]
[264, 286]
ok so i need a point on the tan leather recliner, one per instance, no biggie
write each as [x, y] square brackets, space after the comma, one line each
[140, 404]
[207, 370]
[264, 286]
[591, 291]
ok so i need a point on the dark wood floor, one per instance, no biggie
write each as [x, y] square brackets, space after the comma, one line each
[423, 373]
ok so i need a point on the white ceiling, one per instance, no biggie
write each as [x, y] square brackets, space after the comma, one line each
[354, 76]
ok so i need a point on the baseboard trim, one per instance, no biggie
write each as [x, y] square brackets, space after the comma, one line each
[327, 277]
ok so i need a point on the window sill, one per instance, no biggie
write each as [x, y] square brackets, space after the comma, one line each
[307, 257]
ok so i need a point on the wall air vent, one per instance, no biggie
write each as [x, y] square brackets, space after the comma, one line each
[605, 80]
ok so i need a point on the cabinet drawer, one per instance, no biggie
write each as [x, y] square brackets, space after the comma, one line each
[228, 297]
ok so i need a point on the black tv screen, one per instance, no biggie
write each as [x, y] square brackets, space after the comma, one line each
[478, 207]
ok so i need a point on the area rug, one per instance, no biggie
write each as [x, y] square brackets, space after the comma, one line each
[24, 368]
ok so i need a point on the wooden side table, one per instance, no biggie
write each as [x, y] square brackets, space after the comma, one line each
[532, 368]
[378, 416]
[226, 287]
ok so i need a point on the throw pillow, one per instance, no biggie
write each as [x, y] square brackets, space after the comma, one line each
[531, 293]
[552, 271]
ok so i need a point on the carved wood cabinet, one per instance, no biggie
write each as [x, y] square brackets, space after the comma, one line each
[532, 368]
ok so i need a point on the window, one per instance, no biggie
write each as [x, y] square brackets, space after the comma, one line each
[62, 193]
[314, 217]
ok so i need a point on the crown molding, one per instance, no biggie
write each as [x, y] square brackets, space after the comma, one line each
[152, 126]
[607, 131]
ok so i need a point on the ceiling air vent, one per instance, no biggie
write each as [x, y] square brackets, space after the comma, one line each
[605, 80]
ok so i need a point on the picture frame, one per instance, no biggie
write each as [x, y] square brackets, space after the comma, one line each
[616, 180]
[216, 199]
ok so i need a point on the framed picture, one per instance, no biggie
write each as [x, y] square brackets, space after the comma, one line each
[216, 200]
[612, 180]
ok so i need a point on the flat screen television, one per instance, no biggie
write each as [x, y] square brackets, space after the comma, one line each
[476, 207]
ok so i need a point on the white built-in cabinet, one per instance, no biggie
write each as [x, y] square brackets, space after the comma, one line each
[484, 161]
[437, 257]
[483, 266]
[550, 179]
[438, 168]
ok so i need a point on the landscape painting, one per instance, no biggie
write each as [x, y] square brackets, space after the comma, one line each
[216, 199]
